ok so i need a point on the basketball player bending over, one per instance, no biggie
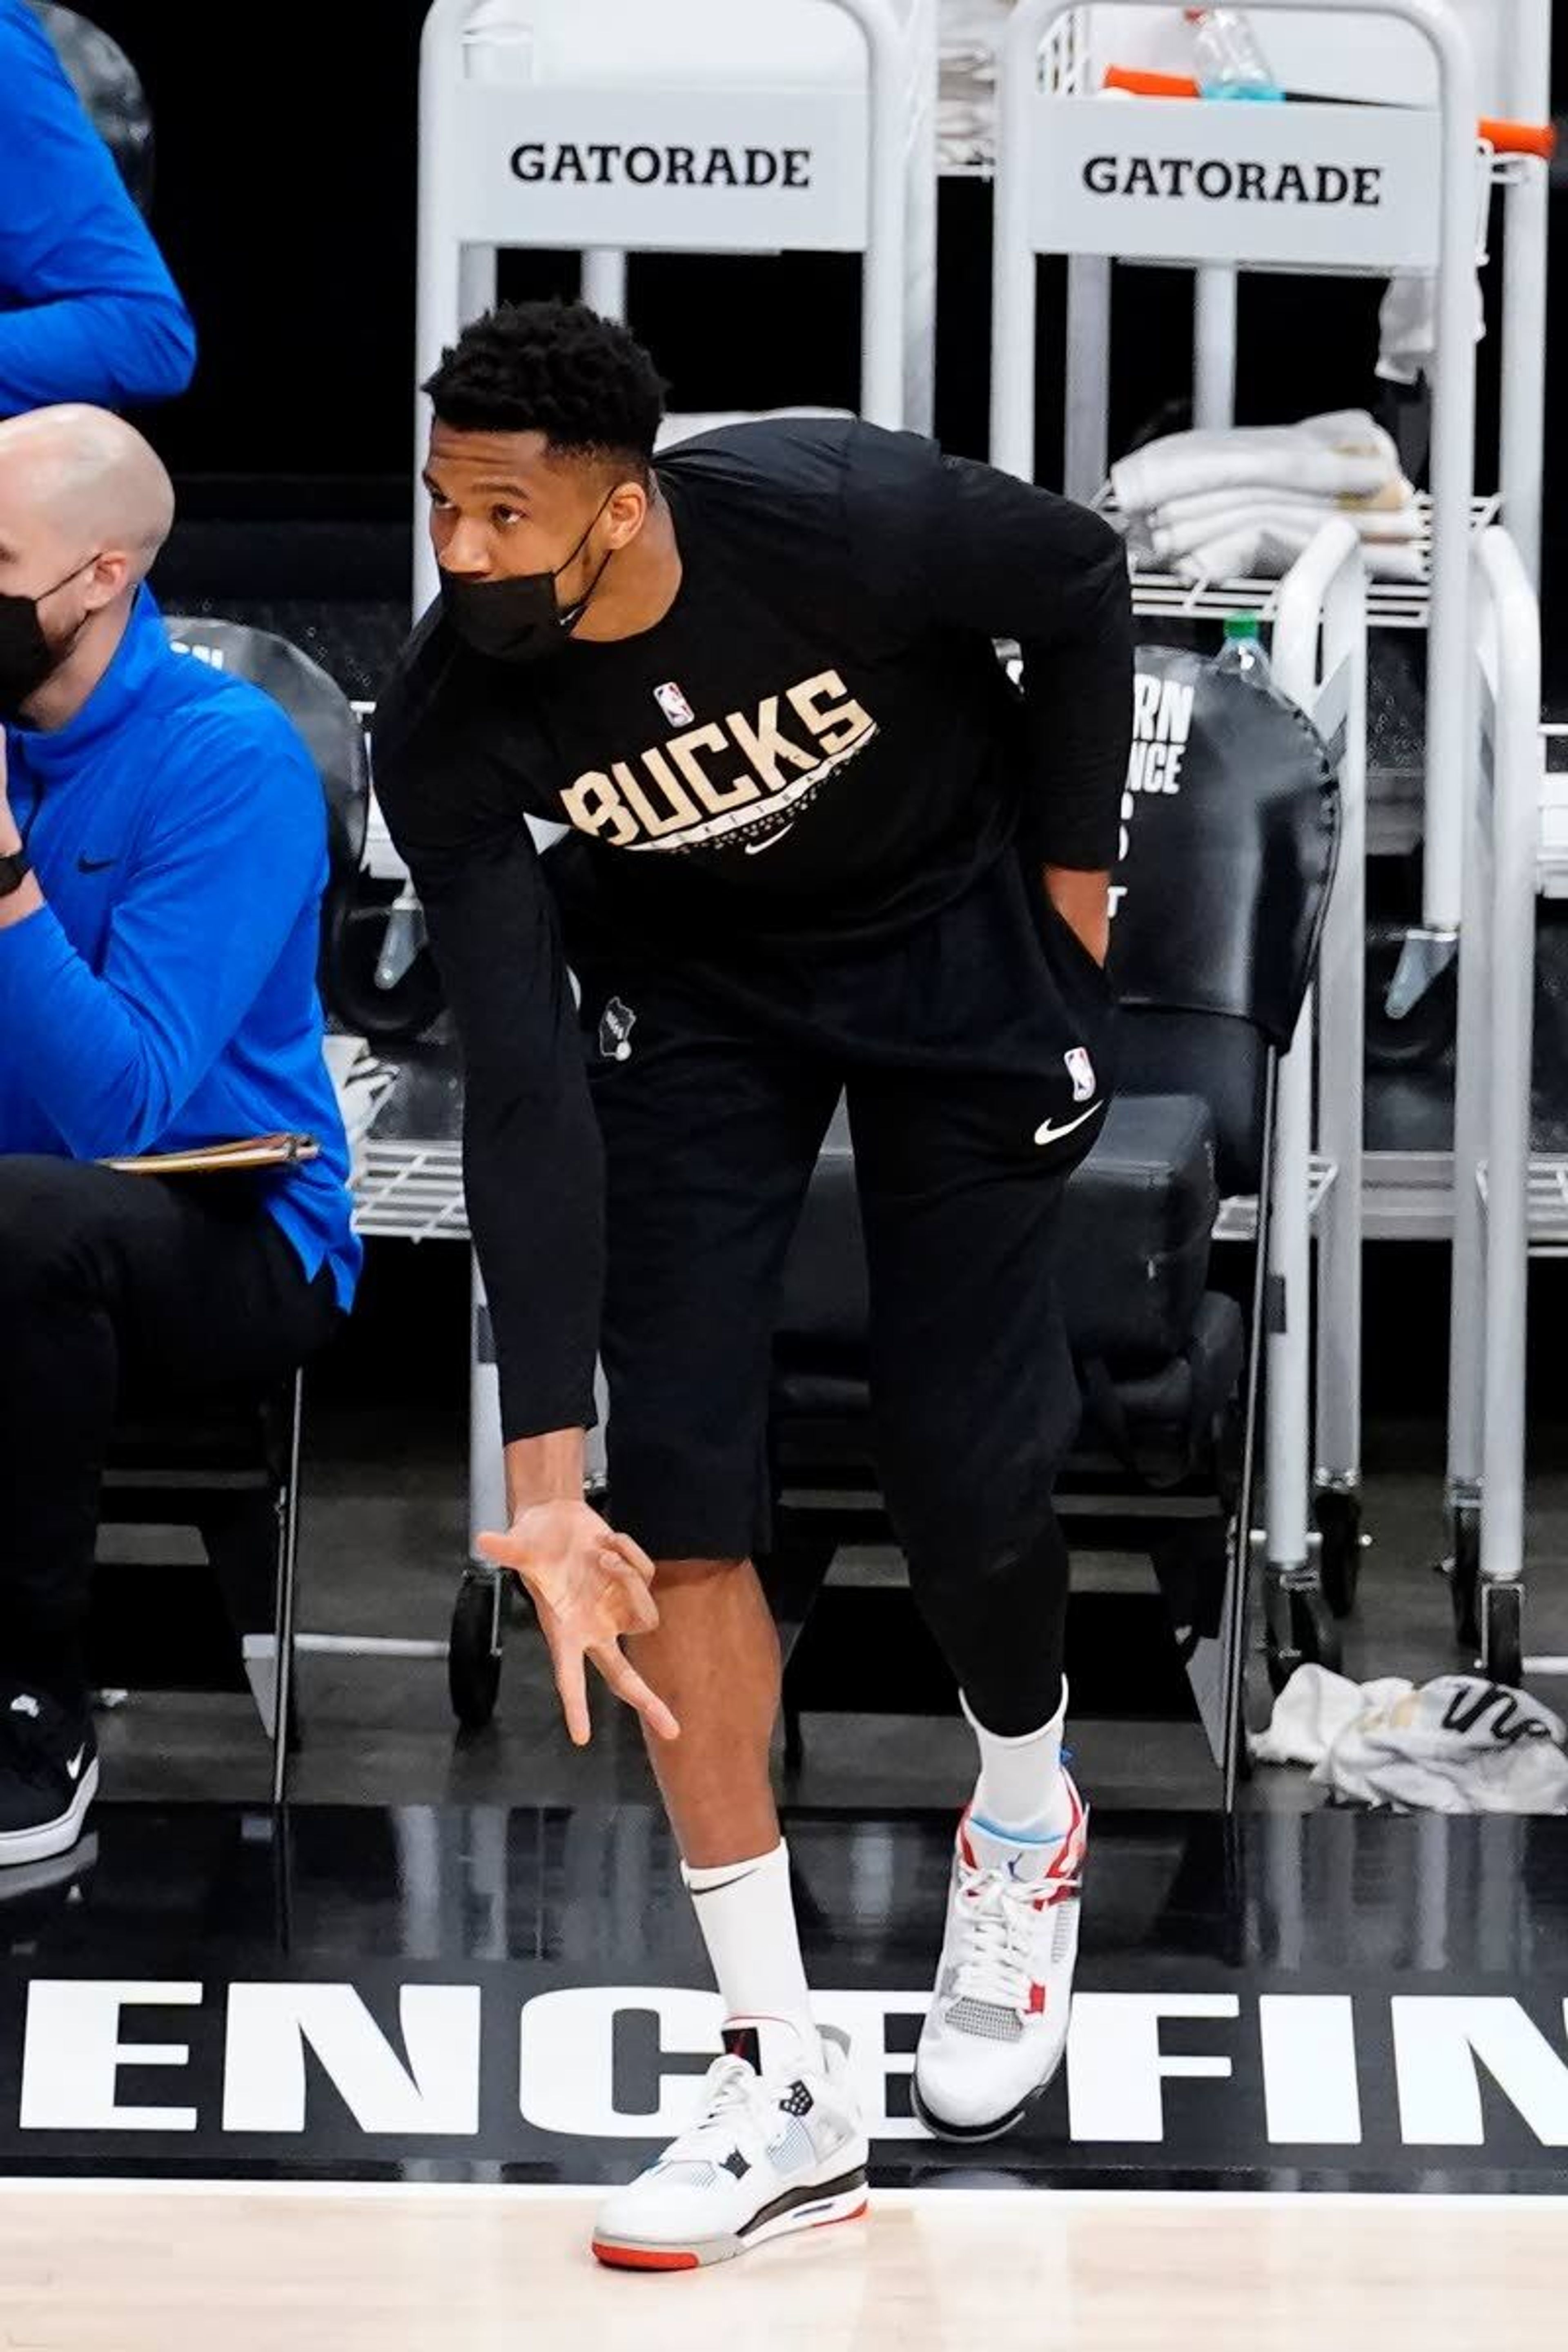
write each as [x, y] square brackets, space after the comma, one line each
[818, 845]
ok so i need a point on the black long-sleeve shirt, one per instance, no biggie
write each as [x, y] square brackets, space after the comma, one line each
[816, 745]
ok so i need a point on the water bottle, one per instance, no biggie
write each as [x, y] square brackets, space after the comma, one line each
[1242, 652]
[1228, 59]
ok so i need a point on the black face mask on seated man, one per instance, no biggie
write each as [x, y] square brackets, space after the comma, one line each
[519, 620]
[28, 658]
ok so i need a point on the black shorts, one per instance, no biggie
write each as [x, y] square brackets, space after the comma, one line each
[975, 1056]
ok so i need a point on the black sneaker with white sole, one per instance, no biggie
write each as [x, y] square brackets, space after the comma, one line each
[49, 1774]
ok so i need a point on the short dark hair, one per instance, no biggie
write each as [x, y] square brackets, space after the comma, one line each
[556, 368]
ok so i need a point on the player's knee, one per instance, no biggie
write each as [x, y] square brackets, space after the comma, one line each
[966, 1513]
[958, 1470]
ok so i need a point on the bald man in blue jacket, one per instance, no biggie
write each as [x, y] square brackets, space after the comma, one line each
[88, 310]
[162, 856]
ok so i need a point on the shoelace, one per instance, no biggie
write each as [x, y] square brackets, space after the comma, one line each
[730, 2096]
[999, 1918]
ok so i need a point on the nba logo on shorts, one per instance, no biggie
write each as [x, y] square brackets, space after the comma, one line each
[674, 705]
[1080, 1070]
[616, 1027]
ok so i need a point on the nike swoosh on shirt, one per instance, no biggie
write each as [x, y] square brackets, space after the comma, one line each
[755, 848]
[93, 864]
[1047, 1133]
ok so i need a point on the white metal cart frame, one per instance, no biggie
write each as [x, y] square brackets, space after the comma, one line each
[1319, 659]
[1046, 139]
[1491, 1115]
[847, 189]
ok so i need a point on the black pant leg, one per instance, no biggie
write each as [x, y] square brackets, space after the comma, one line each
[186, 1286]
[974, 1399]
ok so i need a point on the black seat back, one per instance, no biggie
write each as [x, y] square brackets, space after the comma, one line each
[317, 707]
[110, 88]
[1229, 837]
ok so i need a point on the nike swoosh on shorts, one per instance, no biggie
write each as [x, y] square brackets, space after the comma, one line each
[1047, 1133]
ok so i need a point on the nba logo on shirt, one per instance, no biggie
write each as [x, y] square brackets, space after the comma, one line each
[674, 705]
[1080, 1070]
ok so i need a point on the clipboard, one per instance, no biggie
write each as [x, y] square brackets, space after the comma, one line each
[280, 1150]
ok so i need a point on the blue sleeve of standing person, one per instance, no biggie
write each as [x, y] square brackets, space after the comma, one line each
[113, 1056]
[88, 310]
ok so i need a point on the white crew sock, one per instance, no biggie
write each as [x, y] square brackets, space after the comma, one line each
[746, 1912]
[1021, 1790]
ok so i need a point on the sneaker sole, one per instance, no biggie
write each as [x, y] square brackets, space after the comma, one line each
[845, 2200]
[52, 1837]
[971, 2133]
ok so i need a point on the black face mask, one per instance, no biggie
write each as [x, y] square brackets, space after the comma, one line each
[519, 620]
[28, 660]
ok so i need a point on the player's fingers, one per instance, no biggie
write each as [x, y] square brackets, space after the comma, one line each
[572, 1684]
[632, 1552]
[627, 1684]
[641, 1608]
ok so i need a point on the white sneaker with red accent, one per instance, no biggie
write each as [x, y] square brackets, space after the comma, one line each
[998, 2026]
[768, 2153]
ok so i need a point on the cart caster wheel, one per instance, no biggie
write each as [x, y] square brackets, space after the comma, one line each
[1337, 1515]
[474, 1651]
[1463, 1571]
[388, 1015]
[1314, 1639]
[1503, 1634]
[1418, 1039]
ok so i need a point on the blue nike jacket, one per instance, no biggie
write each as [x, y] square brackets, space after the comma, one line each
[88, 311]
[166, 995]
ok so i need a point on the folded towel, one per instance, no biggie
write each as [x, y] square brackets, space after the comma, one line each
[1268, 551]
[1458, 1745]
[1394, 505]
[1292, 523]
[1342, 454]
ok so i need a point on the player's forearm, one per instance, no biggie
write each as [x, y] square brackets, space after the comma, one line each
[1083, 900]
[547, 1469]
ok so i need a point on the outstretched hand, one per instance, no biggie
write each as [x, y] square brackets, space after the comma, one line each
[590, 1587]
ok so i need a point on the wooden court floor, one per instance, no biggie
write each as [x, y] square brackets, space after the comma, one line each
[237, 2269]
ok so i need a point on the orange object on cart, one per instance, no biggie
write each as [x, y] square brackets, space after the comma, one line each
[1505, 137]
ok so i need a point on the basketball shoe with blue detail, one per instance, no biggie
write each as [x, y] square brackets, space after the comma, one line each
[997, 2029]
[770, 2152]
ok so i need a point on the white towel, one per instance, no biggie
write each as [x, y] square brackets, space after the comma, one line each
[1313, 1711]
[1169, 536]
[1266, 552]
[1458, 1745]
[1408, 329]
[1393, 513]
[1395, 498]
[1340, 455]
[1269, 553]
